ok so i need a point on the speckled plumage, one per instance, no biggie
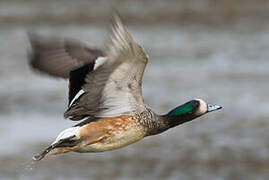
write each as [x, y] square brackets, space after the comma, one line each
[112, 133]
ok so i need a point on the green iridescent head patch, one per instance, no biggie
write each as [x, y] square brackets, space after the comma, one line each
[183, 109]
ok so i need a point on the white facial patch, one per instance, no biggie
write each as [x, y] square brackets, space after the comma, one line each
[67, 133]
[203, 107]
[99, 62]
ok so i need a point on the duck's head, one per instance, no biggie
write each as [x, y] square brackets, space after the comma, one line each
[189, 111]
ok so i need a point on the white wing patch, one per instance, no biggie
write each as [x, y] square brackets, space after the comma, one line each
[77, 96]
[99, 62]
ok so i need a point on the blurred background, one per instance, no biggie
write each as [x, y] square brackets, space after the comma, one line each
[214, 50]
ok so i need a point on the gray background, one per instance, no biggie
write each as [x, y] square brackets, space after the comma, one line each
[214, 50]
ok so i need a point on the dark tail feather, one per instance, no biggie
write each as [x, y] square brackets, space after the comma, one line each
[67, 142]
[41, 155]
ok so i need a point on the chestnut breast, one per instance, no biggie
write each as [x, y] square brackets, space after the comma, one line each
[110, 133]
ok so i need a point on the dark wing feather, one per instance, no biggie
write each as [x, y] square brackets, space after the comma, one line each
[77, 80]
[58, 57]
[63, 58]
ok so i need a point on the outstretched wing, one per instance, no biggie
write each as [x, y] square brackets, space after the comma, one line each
[63, 58]
[58, 57]
[115, 87]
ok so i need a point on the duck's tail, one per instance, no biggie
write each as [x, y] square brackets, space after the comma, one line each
[65, 142]
[42, 154]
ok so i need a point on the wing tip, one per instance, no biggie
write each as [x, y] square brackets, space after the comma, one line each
[32, 52]
[120, 39]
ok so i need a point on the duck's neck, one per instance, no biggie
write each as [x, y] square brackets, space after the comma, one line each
[175, 117]
[183, 113]
[165, 122]
[175, 120]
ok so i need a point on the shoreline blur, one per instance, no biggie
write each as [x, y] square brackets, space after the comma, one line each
[207, 12]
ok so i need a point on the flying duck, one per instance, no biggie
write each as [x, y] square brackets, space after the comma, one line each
[105, 93]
